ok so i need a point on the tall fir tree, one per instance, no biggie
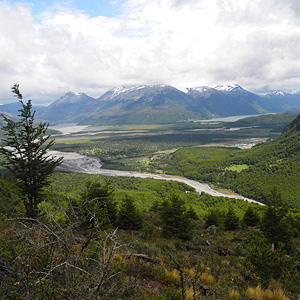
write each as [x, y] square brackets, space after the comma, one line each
[25, 151]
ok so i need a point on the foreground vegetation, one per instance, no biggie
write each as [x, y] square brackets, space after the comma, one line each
[169, 244]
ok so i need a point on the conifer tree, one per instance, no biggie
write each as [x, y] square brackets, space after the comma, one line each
[25, 150]
[129, 216]
[276, 227]
[231, 221]
[251, 217]
[176, 221]
[191, 213]
[213, 218]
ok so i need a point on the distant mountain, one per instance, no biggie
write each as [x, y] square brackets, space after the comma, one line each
[156, 104]
[161, 104]
[231, 88]
[277, 93]
[227, 100]
[278, 100]
[72, 107]
[14, 107]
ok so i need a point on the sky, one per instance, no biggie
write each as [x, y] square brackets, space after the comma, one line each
[90, 46]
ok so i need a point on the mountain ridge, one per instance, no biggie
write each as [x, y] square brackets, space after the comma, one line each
[150, 104]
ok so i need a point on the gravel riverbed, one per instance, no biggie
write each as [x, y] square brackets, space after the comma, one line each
[74, 162]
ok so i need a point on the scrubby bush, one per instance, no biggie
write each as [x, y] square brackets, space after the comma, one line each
[96, 206]
[268, 263]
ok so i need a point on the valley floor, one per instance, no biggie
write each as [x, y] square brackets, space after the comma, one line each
[74, 162]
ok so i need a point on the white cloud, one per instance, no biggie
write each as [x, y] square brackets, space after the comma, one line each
[179, 42]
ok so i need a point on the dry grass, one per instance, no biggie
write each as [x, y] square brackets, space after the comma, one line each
[254, 293]
[234, 294]
[172, 275]
[259, 294]
[208, 278]
[191, 272]
[268, 295]
[279, 295]
[190, 295]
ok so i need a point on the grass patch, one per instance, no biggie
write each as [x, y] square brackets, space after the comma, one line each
[137, 127]
[237, 168]
[77, 142]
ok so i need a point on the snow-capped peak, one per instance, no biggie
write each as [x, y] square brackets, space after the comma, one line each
[73, 94]
[202, 89]
[122, 89]
[277, 93]
[228, 87]
[69, 97]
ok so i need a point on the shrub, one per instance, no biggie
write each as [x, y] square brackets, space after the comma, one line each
[267, 263]
[96, 206]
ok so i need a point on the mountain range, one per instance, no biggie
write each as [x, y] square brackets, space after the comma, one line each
[160, 104]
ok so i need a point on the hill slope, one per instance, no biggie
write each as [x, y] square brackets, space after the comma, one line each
[273, 166]
[267, 171]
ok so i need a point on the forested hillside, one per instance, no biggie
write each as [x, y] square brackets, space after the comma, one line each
[273, 165]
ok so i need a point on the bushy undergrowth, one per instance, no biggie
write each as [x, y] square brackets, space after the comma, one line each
[43, 261]
[57, 258]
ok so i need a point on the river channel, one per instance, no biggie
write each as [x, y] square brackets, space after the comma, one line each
[74, 162]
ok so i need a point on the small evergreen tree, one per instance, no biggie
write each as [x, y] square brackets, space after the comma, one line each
[276, 227]
[25, 150]
[251, 217]
[96, 206]
[176, 222]
[129, 216]
[213, 218]
[275, 197]
[231, 221]
[192, 214]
